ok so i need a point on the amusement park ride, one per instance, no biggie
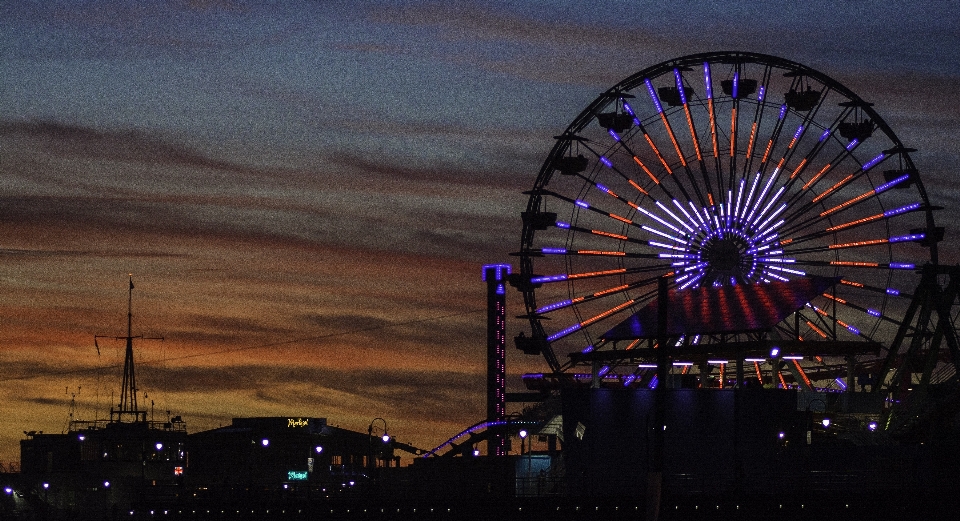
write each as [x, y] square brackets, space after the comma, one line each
[788, 220]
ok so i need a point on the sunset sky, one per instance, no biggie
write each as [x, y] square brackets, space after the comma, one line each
[305, 191]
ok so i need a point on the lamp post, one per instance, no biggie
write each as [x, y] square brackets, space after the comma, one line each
[385, 438]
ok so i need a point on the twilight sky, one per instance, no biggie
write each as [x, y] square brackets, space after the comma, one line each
[305, 191]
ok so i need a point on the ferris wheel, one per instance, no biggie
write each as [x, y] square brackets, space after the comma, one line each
[721, 172]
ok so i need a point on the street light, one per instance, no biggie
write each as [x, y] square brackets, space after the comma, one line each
[385, 438]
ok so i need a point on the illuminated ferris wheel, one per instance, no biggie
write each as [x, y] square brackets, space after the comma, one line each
[726, 172]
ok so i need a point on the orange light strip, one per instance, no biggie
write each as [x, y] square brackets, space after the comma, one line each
[638, 187]
[633, 344]
[796, 363]
[686, 369]
[657, 152]
[856, 264]
[600, 252]
[710, 198]
[753, 133]
[832, 188]
[858, 243]
[733, 131]
[676, 146]
[856, 199]
[723, 372]
[831, 297]
[756, 366]
[624, 219]
[854, 223]
[645, 169]
[819, 174]
[607, 313]
[786, 241]
[782, 381]
[766, 153]
[713, 129]
[815, 328]
[610, 290]
[799, 168]
[693, 132]
[608, 234]
[596, 273]
[851, 283]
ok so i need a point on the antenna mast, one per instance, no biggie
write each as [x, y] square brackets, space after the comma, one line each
[128, 390]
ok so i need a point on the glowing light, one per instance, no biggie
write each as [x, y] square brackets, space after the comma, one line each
[902, 209]
[901, 266]
[825, 423]
[265, 442]
[653, 96]
[873, 162]
[891, 184]
[774, 352]
[706, 79]
[554, 251]
[318, 449]
[683, 95]
[606, 162]
[582, 204]
[159, 446]
[561, 224]
[894, 292]
[523, 433]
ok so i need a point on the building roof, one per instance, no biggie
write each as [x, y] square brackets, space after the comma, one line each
[725, 309]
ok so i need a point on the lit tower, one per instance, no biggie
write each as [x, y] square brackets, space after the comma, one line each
[495, 276]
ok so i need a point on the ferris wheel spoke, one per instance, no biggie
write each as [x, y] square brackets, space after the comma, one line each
[869, 311]
[849, 203]
[913, 207]
[605, 292]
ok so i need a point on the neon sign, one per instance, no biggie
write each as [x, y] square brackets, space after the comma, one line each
[299, 422]
[297, 475]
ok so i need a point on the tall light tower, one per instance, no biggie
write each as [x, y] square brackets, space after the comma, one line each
[495, 275]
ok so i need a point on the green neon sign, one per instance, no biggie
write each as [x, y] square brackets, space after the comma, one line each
[297, 475]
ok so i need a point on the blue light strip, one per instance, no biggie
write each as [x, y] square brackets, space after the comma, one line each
[554, 251]
[549, 278]
[761, 93]
[902, 209]
[554, 306]
[783, 111]
[629, 109]
[606, 162]
[886, 186]
[852, 144]
[873, 312]
[706, 80]
[683, 95]
[736, 84]
[613, 134]
[826, 133]
[561, 224]
[582, 204]
[563, 333]
[870, 164]
[908, 238]
[901, 266]
[894, 292]
[653, 96]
